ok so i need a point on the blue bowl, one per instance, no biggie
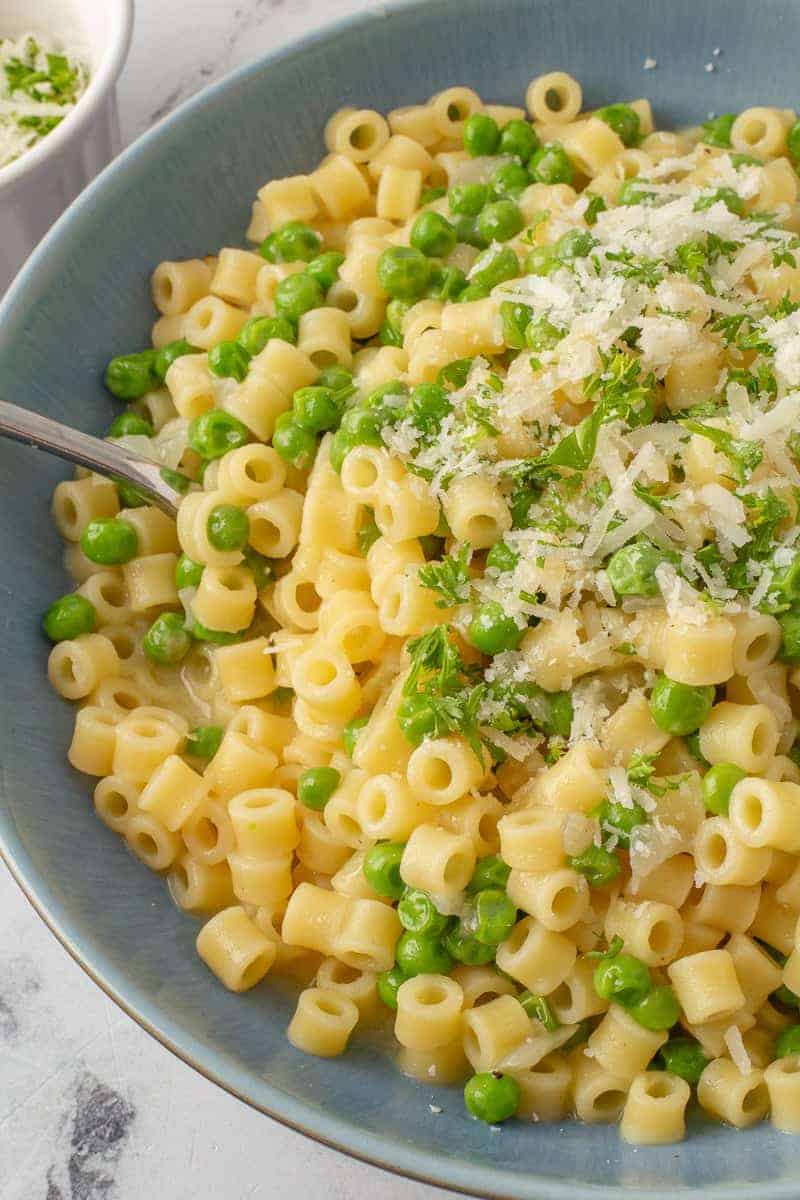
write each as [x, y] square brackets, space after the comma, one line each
[182, 191]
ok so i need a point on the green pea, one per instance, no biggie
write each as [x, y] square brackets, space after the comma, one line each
[463, 946]
[255, 333]
[130, 376]
[467, 199]
[502, 558]
[227, 527]
[391, 393]
[468, 232]
[632, 569]
[352, 732]
[793, 141]
[381, 869]
[259, 566]
[360, 427]
[717, 131]
[316, 785]
[389, 335]
[491, 1096]
[297, 294]
[683, 1056]
[341, 445]
[788, 1042]
[188, 573]
[68, 618]
[492, 631]
[176, 479]
[718, 783]
[508, 180]
[621, 819]
[542, 335]
[316, 409]
[499, 221]
[416, 718]
[679, 708]
[446, 283]
[519, 139]
[428, 195]
[658, 1010]
[598, 866]
[455, 373]
[785, 996]
[167, 640]
[363, 425]
[418, 954]
[204, 741]
[692, 743]
[495, 265]
[481, 135]
[337, 378]
[403, 272]
[551, 164]
[418, 914]
[393, 322]
[167, 355]
[540, 261]
[515, 318]
[433, 235]
[790, 635]
[388, 984]
[325, 268]
[229, 360]
[490, 916]
[475, 291]
[110, 541]
[292, 242]
[429, 404]
[623, 979]
[129, 495]
[623, 119]
[575, 243]
[490, 872]
[128, 424]
[219, 637]
[295, 444]
[214, 433]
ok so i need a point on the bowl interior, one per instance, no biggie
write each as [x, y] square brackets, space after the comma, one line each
[185, 190]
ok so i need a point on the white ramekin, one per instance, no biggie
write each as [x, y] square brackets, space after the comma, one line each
[40, 184]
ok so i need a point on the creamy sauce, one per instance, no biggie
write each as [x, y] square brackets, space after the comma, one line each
[40, 83]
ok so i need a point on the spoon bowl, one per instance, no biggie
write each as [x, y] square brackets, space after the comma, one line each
[105, 457]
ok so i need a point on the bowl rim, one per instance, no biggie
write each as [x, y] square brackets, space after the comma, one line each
[75, 122]
[324, 1127]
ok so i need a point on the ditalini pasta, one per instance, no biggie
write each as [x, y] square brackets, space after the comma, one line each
[465, 688]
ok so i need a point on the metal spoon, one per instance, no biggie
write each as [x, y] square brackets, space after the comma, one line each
[107, 458]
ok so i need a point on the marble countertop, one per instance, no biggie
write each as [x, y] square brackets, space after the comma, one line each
[91, 1107]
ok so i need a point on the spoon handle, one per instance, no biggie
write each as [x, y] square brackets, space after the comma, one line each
[107, 458]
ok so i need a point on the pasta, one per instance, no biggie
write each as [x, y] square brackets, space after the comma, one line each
[465, 687]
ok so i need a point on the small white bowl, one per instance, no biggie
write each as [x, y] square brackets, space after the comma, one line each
[38, 186]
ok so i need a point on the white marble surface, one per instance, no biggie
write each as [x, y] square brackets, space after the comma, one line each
[91, 1108]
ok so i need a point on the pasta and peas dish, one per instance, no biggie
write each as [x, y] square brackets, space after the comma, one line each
[464, 688]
